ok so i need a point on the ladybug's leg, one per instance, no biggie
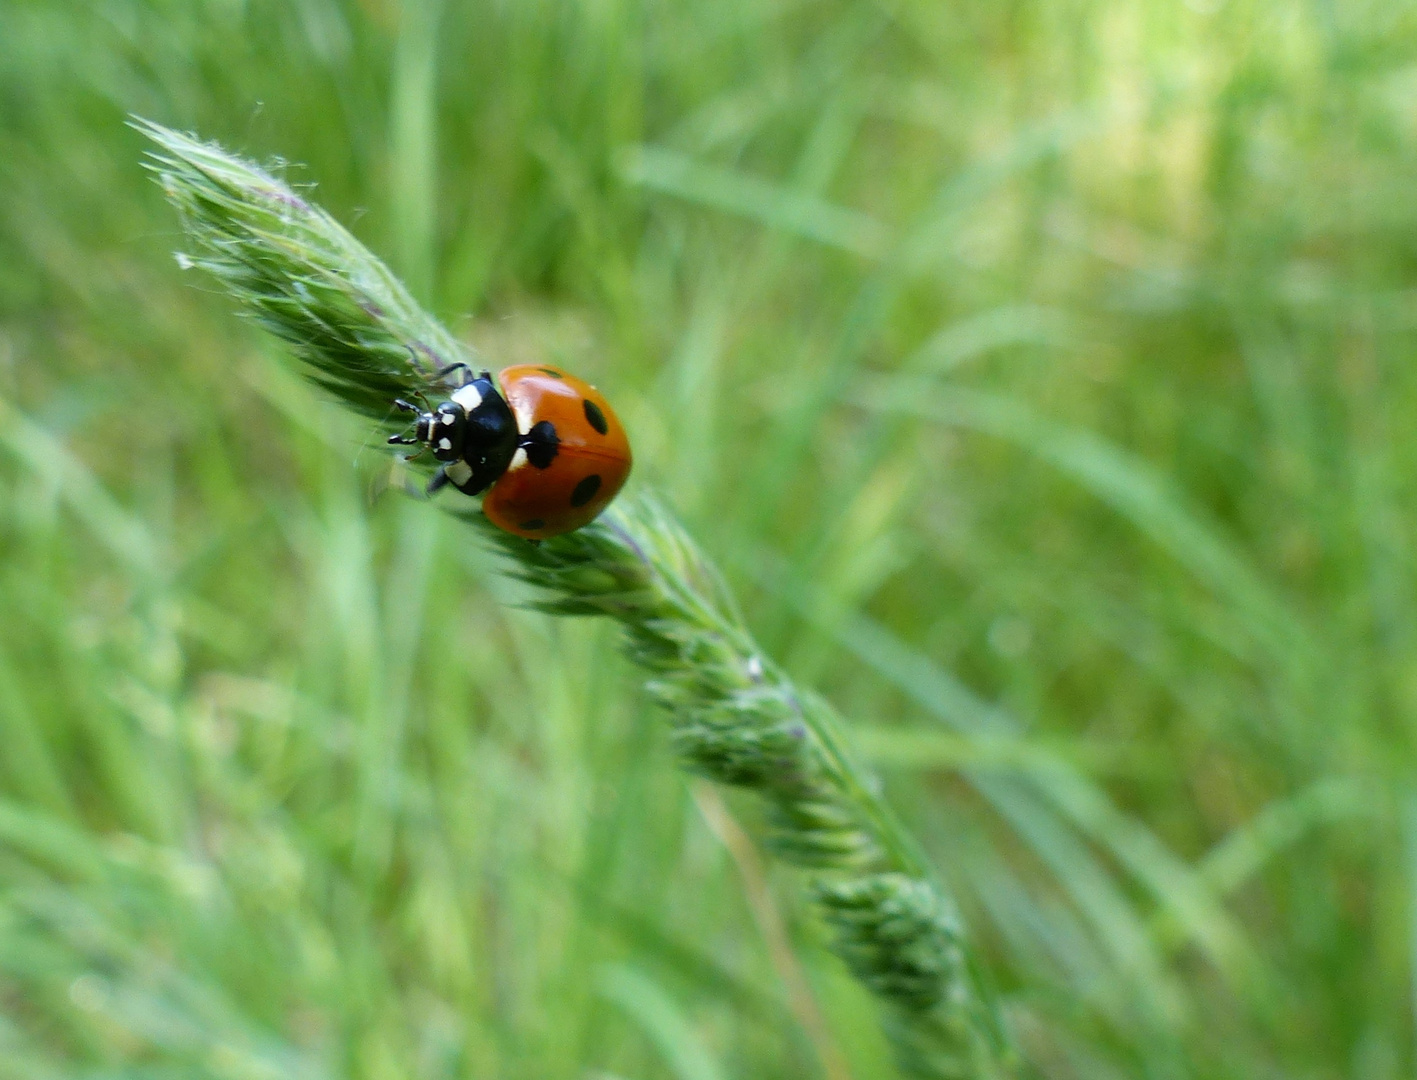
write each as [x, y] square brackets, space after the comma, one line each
[469, 479]
[421, 366]
[541, 444]
[479, 478]
[442, 373]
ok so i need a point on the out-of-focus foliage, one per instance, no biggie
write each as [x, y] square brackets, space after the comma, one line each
[1040, 373]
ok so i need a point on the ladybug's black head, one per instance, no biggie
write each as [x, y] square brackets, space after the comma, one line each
[473, 433]
[442, 430]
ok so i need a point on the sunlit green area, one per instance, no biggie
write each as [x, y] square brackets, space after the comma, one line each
[1040, 374]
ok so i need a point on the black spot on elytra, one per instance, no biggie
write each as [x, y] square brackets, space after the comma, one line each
[541, 443]
[585, 490]
[595, 416]
[552, 372]
[532, 525]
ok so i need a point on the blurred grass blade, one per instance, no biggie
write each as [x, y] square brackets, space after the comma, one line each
[645, 1002]
[50, 842]
[773, 205]
[1161, 1003]
[1128, 485]
[930, 241]
[414, 143]
[109, 526]
[1176, 886]
[959, 342]
[1408, 826]
[32, 765]
[914, 748]
[1281, 824]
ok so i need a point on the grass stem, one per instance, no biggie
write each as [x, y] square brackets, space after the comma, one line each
[736, 717]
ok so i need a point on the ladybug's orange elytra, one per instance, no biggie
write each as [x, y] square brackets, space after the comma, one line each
[590, 466]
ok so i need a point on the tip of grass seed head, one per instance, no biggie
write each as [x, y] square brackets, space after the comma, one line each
[169, 139]
[180, 151]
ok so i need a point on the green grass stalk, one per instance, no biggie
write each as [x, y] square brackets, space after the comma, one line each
[736, 717]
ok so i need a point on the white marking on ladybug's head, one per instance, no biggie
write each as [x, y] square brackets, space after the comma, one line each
[459, 472]
[518, 459]
[469, 397]
[445, 443]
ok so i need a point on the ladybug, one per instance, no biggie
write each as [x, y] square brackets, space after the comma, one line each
[549, 446]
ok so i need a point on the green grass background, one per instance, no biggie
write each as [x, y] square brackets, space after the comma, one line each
[1040, 373]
